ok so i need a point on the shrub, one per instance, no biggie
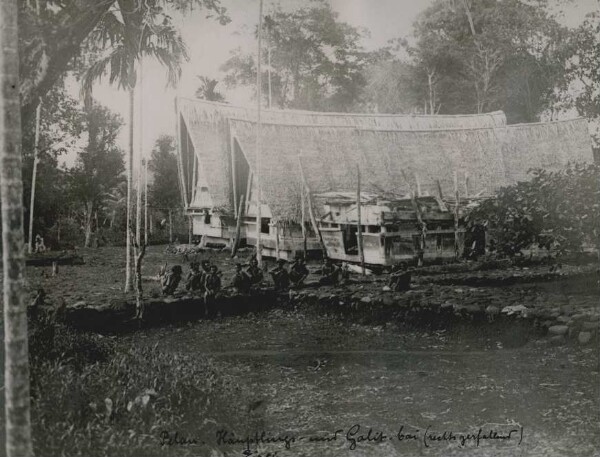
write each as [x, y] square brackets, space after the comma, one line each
[120, 406]
[559, 211]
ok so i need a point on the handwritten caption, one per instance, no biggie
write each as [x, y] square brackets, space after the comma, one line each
[353, 437]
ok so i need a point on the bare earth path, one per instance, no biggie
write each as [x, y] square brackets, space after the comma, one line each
[312, 376]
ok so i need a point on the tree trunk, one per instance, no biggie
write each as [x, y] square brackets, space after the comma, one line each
[140, 251]
[170, 226]
[138, 203]
[74, 25]
[36, 151]
[88, 225]
[129, 179]
[16, 369]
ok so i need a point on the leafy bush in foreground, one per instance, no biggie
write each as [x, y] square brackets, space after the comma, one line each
[559, 211]
[119, 406]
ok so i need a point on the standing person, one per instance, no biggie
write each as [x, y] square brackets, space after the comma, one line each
[280, 275]
[212, 285]
[298, 272]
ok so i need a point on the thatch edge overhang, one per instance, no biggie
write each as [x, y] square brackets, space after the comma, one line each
[491, 144]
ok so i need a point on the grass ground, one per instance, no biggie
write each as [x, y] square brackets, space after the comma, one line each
[306, 374]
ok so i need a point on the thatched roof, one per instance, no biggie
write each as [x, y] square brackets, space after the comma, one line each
[392, 151]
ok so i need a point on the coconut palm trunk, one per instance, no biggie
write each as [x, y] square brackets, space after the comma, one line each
[16, 369]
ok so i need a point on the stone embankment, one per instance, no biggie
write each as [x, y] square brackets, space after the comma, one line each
[563, 304]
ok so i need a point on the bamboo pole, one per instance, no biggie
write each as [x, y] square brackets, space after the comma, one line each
[36, 159]
[361, 252]
[145, 201]
[258, 138]
[269, 74]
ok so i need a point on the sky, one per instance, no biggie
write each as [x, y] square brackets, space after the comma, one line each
[210, 44]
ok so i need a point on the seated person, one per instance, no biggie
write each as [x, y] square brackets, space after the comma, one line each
[240, 281]
[344, 273]
[280, 275]
[254, 272]
[212, 285]
[169, 281]
[330, 274]
[194, 278]
[298, 272]
[400, 277]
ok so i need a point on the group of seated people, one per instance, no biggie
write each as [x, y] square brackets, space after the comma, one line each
[331, 274]
[205, 277]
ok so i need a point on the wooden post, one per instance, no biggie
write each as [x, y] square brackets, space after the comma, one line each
[36, 158]
[443, 206]
[258, 137]
[419, 219]
[361, 252]
[466, 185]
[277, 239]
[170, 226]
[238, 227]
[456, 196]
[418, 185]
[311, 214]
[303, 198]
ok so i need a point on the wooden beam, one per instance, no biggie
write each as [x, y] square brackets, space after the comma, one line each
[311, 213]
[238, 227]
[233, 171]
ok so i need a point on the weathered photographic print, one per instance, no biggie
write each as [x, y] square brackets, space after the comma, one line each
[320, 228]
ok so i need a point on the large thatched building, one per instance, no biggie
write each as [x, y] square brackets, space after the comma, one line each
[320, 152]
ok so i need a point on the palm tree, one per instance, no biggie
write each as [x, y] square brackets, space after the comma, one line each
[207, 90]
[137, 35]
[18, 422]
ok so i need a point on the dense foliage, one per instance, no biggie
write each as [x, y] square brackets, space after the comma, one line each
[317, 61]
[559, 211]
[473, 57]
[118, 401]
